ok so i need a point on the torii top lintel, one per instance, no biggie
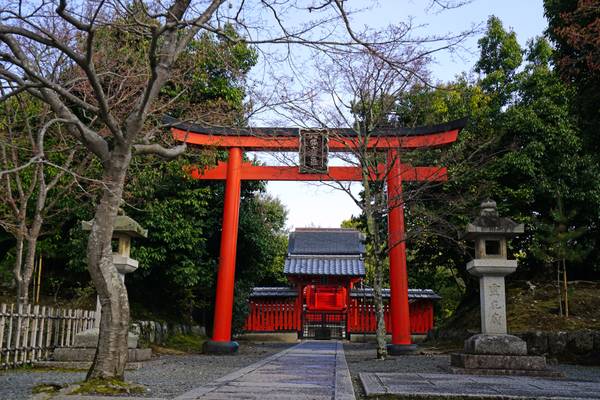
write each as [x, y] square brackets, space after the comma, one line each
[340, 140]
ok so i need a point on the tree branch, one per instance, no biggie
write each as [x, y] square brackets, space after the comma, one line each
[157, 149]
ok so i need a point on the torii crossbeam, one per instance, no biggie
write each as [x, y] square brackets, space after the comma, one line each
[238, 140]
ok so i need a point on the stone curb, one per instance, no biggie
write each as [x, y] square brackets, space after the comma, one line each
[377, 384]
[82, 397]
[343, 389]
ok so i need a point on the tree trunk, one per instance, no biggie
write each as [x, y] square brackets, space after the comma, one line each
[566, 287]
[30, 236]
[111, 354]
[377, 261]
[22, 293]
[29, 264]
[560, 300]
[379, 311]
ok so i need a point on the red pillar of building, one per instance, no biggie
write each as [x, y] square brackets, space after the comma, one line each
[399, 310]
[221, 339]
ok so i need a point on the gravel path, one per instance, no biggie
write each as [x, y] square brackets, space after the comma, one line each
[361, 358]
[164, 376]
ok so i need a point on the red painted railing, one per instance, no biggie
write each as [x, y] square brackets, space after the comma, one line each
[272, 315]
[361, 317]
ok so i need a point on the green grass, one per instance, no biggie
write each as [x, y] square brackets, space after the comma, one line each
[186, 343]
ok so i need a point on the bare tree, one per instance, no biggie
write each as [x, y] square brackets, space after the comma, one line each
[31, 183]
[49, 48]
[361, 93]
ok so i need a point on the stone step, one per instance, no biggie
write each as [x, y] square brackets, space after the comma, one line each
[486, 361]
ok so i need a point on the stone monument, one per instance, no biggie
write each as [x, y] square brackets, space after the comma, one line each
[85, 343]
[494, 351]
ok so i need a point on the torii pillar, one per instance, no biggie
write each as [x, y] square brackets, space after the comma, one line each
[399, 309]
[221, 342]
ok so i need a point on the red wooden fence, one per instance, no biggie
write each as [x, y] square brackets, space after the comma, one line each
[361, 317]
[272, 315]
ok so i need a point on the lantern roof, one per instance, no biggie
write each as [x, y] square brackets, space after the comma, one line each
[123, 225]
[490, 223]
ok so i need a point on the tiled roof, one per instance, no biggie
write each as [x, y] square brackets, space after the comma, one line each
[282, 291]
[324, 265]
[413, 294]
[307, 241]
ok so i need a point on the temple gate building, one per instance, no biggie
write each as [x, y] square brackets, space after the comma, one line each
[326, 297]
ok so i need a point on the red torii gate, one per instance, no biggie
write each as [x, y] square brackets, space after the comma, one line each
[237, 140]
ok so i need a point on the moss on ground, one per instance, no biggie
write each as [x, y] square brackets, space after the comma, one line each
[185, 343]
[534, 306]
[47, 388]
[537, 307]
[112, 387]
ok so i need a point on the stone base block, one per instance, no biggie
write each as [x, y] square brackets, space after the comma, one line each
[89, 338]
[82, 365]
[514, 372]
[401, 349]
[371, 337]
[285, 337]
[496, 345]
[213, 347]
[88, 353]
[477, 361]
[483, 364]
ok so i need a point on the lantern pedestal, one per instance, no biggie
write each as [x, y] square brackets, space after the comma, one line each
[215, 347]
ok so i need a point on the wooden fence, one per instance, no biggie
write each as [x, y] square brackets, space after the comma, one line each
[282, 314]
[29, 333]
[273, 315]
[361, 317]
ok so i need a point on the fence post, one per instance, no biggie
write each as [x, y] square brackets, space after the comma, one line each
[17, 353]
[9, 339]
[40, 341]
[2, 324]
[26, 329]
[49, 331]
[69, 320]
[34, 333]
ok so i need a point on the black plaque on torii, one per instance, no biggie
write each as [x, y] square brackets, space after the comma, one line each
[313, 151]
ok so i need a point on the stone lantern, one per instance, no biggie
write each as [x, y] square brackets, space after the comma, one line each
[494, 351]
[125, 228]
[85, 342]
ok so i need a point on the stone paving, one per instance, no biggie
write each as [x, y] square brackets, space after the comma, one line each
[311, 370]
[440, 386]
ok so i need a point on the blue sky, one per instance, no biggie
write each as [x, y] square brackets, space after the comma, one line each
[311, 204]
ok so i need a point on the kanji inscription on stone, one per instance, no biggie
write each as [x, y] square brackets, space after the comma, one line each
[495, 289]
[497, 319]
[313, 152]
